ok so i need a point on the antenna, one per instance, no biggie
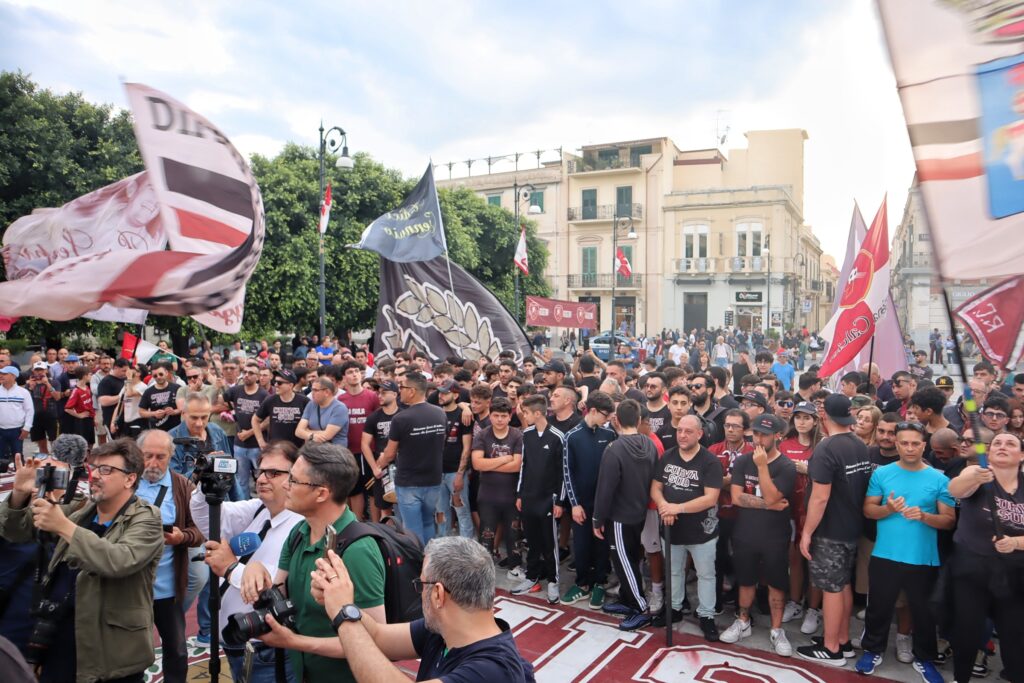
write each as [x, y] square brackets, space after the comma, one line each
[721, 127]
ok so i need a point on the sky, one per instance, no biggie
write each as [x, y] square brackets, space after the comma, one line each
[458, 79]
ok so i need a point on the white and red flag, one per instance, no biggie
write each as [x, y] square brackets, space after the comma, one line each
[622, 266]
[520, 259]
[995, 318]
[325, 210]
[863, 301]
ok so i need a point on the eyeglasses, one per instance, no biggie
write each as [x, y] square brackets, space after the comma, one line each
[106, 470]
[695, 387]
[733, 426]
[272, 474]
[995, 414]
[784, 404]
[419, 584]
[912, 426]
[279, 382]
[195, 377]
[293, 480]
[252, 372]
[967, 439]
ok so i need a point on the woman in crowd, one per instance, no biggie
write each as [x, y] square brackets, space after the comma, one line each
[1016, 424]
[867, 420]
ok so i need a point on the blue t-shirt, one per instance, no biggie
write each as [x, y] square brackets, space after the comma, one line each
[334, 414]
[327, 350]
[494, 659]
[904, 540]
[163, 587]
[785, 372]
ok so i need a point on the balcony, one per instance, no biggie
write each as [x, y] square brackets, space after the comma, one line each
[604, 281]
[747, 264]
[695, 265]
[588, 164]
[605, 212]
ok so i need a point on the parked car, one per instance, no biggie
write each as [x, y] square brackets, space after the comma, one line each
[602, 345]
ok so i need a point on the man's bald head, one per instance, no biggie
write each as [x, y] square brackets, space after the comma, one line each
[945, 438]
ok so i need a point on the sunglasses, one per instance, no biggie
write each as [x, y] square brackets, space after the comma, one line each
[695, 387]
[911, 426]
[784, 404]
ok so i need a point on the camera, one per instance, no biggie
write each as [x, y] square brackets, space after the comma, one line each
[214, 473]
[48, 616]
[244, 626]
[50, 478]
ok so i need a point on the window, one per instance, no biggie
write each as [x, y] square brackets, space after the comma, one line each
[636, 152]
[494, 199]
[608, 158]
[537, 199]
[589, 204]
[624, 201]
[695, 241]
[588, 266]
[749, 239]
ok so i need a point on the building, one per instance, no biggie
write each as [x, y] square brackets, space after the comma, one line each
[712, 239]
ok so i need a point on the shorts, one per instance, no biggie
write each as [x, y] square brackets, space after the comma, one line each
[831, 563]
[767, 560]
[650, 537]
[44, 427]
[364, 484]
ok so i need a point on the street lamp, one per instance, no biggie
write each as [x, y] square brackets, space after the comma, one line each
[768, 259]
[800, 259]
[330, 141]
[521, 193]
[619, 224]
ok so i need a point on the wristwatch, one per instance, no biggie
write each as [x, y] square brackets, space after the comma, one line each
[346, 613]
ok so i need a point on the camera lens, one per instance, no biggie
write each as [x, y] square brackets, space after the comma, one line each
[243, 627]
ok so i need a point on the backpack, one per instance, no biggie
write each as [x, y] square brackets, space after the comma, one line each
[711, 430]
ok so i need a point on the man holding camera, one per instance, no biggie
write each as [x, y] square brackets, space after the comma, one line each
[317, 489]
[266, 518]
[102, 570]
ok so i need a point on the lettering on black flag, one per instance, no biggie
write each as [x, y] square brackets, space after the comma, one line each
[413, 231]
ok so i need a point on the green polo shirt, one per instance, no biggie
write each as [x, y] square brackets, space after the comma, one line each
[366, 567]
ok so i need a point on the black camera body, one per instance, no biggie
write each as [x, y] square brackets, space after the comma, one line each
[50, 478]
[245, 626]
[48, 615]
[215, 474]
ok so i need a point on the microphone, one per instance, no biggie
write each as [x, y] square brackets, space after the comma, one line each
[245, 543]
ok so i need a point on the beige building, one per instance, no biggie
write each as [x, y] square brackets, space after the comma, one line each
[712, 238]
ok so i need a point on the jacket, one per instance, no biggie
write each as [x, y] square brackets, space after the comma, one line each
[182, 488]
[16, 408]
[114, 588]
[624, 481]
[540, 477]
[584, 448]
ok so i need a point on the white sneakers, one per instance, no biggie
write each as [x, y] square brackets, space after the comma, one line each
[812, 621]
[553, 596]
[904, 648]
[792, 611]
[656, 602]
[739, 629]
[780, 643]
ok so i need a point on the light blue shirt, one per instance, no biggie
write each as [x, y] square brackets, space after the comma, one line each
[905, 540]
[336, 413]
[163, 587]
[785, 373]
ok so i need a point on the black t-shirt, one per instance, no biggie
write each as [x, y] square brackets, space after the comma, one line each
[684, 481]
[155, 398]
[754, 525]
[878, 459]
[284, 417]
[462, 398]
[109, 386]
[974, 530]
[498, 487]
[667, 435]
[591, 382]
[660, 418]
[636, 395]
[454, 431]
[494, 659]
[245, 406]
[842, 461]
[565, 425]
[419, 431]
[378, 425]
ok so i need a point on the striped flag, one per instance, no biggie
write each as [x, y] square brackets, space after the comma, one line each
[325, 210]
[622, 266]
[520, 259]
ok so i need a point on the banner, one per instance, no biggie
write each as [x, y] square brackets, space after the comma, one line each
[325, 210]
[960, 73]
[413, 231]
[554, 313]
[995, 318]
[520, 259]
[204, 198]
[622, 266]
[128, 346]
[419, 310]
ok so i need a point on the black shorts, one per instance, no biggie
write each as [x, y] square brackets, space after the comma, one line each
[831, 565]
[364, 484]
[44, 426]
[763, 560]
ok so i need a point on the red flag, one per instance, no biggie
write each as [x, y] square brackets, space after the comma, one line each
[128, 346]
[622, 266]
[995, 318]
[864, 298]
[325, 210]
[520, 259]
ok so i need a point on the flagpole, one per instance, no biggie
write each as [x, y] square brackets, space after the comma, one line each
[447, 258]
[871, 357]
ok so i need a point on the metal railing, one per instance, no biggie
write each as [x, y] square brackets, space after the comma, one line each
[590, 163]
[695, 265]
[605, 212]
[604, 281]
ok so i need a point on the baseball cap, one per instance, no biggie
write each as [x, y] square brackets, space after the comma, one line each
[806, 407]
[837, 407]
[555, 366]
[447, 386]
[286, 375]
[768, 424]
[944, 382]
[756, 397]
[72, 358]
[10, 370]
[388, 385]
[40, 365]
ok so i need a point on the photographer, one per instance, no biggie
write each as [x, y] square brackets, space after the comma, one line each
[318, 488]
[196, 425]
[16, 413]
[101, 573]
[265, 516]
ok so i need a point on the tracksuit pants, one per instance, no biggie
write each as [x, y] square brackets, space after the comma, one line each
[542, 540]
[626, 551]
[589, 552]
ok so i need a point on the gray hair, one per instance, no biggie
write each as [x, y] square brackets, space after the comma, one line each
[196, 397]
[327, 384]
[332, 466]
[464, 568]
[141, 440]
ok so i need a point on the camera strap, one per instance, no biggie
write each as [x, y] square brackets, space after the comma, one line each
[160, 497]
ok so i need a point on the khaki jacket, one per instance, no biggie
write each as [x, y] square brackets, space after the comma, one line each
[114, 589]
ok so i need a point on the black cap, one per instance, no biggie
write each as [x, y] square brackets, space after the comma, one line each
[286, 375]
[756, 397]
[447, 386]
[837, 407]
[806, 407]
[768, 424]
[555, 366]
[388, 385]
[944, 382]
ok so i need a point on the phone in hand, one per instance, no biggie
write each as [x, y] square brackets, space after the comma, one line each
[168, 528]
[331, 537]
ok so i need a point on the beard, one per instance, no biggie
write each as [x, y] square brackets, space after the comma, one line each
[153, 475]
[96, 494]
[430, 618]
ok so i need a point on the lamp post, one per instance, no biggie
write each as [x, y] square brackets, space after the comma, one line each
[619, 224]
[799, 282]
[521, 193]
[330, 141]
[768, 304]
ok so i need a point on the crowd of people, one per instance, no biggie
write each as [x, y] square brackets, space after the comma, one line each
[777, 495]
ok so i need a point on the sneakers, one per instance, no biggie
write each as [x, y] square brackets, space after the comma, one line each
[508, 562]
[928, 672]
[846, 648]
[659, 618]
[617, 609]
[597, 597]
[553, 593]
[574, 595]
[862, 614]
[525, 586]
[198, 642]
[904, 648]
[980, 668]
[710, 629]
[812, 621]
[821, 655]
[945, 651]
[656, 602]
[867, 663]
[686, 606]
[516, 574]
[792, 611]
[780, 643]
[739, 629]
[634, 621]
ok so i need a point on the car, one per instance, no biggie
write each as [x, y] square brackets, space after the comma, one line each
[602, 343]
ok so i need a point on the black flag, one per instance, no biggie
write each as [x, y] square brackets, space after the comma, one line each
[418, 309]
[413, 231]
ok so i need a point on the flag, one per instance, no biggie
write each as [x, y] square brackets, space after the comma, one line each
[520, 258]
[960, 74]
[995, 318]
[412, 232]
[145, 351]
[198, 190]
[325, 210]
[622, 266]
[419, 309]
[863, 300]
[128, 346]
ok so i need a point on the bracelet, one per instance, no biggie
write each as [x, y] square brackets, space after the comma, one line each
[231, 568]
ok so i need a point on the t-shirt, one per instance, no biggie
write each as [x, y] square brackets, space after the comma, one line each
[683, 481]
[317, 418]
[797, 452]
[284, 417]
[327, 350]
[785, 373]
[567, 424]
[420, 433]
[878, 459]
[360, 406]
[666, 434]
[974, 529]
[842, 461]
[80, 401]
[659, 418]
[755, 525]
[245, 406]
[454, 431]
[498, 488]
[494, 659]
[727, 458]
[155, 398]
[591, 382]
[378, 425]
[905, 540]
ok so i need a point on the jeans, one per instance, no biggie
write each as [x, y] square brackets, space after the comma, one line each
[247, 459]
[263, 664]
[10, 443]
[704, 562]
[417, 505]
[444, 505]
[199, 584]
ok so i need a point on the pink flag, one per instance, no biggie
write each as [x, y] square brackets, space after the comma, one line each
[863, 300]
[995, 318]
[622, 266]
[520, 259]
[325, 210]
